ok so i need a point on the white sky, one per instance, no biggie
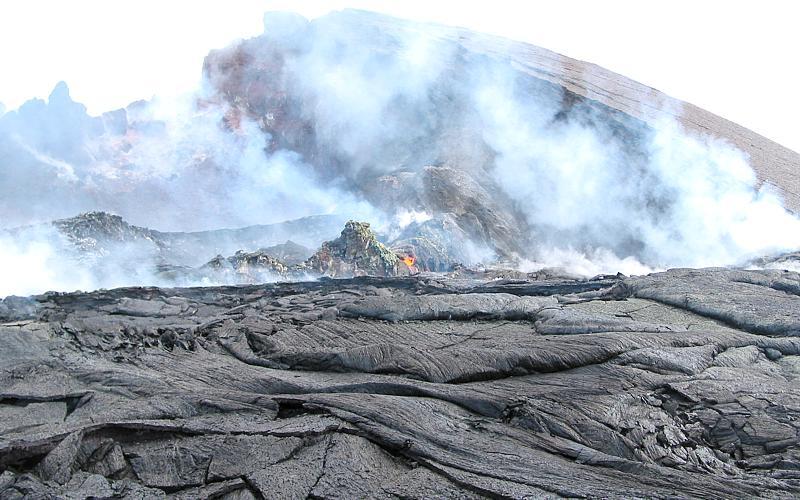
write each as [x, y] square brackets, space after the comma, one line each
[735, 58]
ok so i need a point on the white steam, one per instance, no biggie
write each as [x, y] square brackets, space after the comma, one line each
[30, 262]
[588, 263]
[405, 217]
[688, 201]
[570, 184]
[211, 177]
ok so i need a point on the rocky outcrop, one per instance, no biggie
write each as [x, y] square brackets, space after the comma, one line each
[678, 384]
[94, 235]
[356, 252]
[439, 244]
[290, 253]
[101, 243]
[245, 267]
[465, 207]
[789, 261]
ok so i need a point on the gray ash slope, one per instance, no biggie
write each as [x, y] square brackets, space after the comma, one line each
[678, 384]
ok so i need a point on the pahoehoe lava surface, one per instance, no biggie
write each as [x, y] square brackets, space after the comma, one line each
[677, 384]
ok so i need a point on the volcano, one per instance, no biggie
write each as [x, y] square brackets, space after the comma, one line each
[371, 258]
[463, 147]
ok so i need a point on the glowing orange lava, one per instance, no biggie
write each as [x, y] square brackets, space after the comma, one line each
[409, 260]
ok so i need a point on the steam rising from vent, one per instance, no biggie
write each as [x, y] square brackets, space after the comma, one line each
[677, 201]
[30, 264]
[426, 136]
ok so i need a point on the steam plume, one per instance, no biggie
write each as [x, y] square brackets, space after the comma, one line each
[395, 123]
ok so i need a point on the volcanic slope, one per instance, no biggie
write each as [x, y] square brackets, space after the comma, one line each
[677, 384]
[252, 75]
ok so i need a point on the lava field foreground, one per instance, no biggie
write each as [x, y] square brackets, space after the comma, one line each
[681, 383]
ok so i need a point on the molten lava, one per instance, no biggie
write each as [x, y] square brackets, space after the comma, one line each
[409, 260]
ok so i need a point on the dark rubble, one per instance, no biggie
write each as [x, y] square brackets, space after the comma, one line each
[99, 240]
[97, 235]
[356, 252]
[678, 384]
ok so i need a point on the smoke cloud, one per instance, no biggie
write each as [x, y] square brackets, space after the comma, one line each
[674, 200]
[30, 264]
[390, 122]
